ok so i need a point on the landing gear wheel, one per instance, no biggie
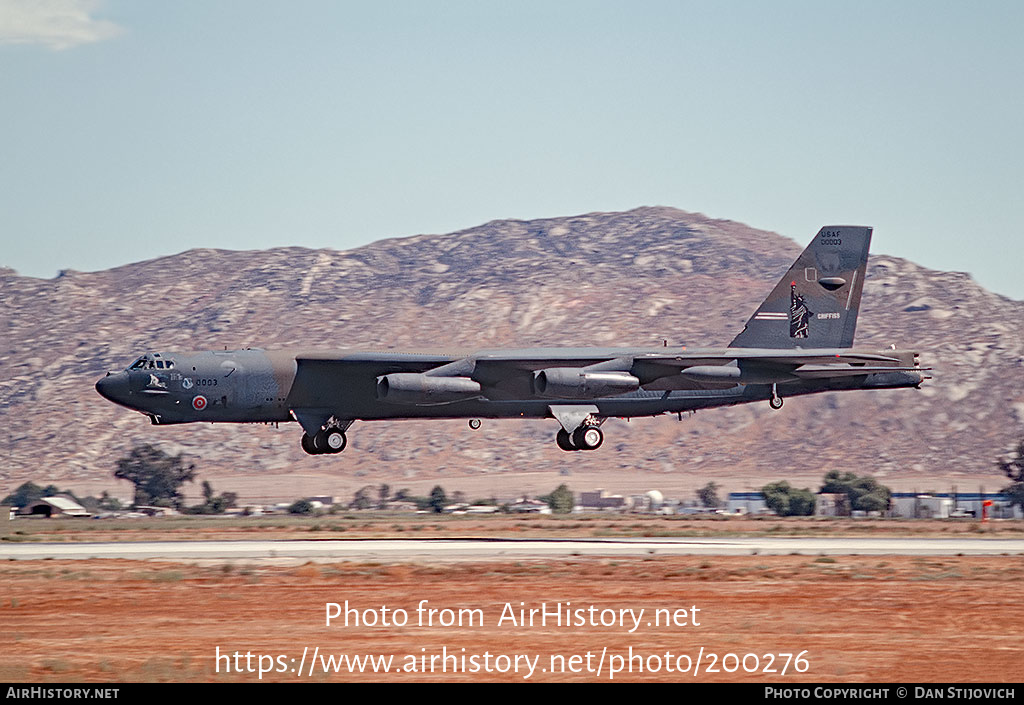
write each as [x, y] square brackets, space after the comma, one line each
[474, 424]
[307, 445]
[564, 441]
[334, 440]
[587, 438]
[775, 403]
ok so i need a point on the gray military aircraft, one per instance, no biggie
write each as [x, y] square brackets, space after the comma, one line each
[798, 341]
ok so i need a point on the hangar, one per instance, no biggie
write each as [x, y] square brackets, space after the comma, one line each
[55, 506]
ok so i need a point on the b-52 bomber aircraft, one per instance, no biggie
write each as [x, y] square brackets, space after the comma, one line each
[798, 341]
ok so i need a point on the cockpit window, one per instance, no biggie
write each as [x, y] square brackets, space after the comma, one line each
[146, 362]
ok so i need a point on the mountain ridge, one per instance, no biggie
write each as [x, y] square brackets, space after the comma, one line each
[632, 278]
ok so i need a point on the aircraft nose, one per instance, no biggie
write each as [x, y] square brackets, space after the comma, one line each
[113, 387]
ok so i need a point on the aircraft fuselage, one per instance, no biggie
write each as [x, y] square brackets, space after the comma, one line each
[252, 385]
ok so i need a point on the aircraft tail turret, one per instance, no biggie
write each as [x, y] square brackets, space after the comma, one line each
[815, 305]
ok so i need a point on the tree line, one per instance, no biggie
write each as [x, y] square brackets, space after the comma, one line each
[158, 478]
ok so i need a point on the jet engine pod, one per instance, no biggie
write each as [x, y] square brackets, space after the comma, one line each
[727, 374]
[425, 390]
[724, 376]
[579, 383]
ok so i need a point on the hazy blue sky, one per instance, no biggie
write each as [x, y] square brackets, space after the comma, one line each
[133, 129]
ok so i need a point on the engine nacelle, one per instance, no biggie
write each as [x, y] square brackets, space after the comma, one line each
[730, 375]
[580, 383]
[713, 374]
[425, 390]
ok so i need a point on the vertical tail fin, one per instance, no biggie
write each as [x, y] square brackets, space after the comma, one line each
[815, 305]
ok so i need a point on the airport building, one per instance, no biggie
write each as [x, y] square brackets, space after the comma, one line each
[54, 507]
[746, 503]
[945, 505]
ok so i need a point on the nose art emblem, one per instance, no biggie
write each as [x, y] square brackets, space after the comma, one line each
[199, 403]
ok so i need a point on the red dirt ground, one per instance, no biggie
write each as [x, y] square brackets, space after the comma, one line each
[853, 618]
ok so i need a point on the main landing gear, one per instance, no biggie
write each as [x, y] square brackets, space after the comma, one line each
[776, 401]
[587, 437]
[327, 440]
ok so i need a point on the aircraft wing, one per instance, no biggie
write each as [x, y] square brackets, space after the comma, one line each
[700, 369]
[580, 373]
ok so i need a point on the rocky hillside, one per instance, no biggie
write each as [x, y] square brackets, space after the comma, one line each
[631, 278]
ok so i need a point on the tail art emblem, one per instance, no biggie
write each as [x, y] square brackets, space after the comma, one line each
[799, 314]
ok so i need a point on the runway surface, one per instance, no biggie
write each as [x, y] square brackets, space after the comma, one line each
[502, 549]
